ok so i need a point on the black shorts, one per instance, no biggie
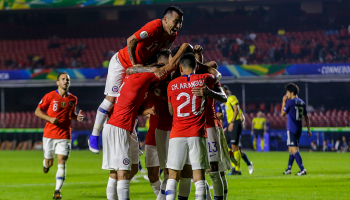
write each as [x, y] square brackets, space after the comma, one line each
[293, 139]
[258, 132]
[235, 134]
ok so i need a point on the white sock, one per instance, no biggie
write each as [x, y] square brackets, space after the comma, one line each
[101, 116]
[161, 195]
[224, 181]
[208, 191]
[200, 190]
[123, 189]
[44, 163]
[60, 176]
[218, 186]
[156, 187]
[112, 189]
[171, 189]
[184, 188]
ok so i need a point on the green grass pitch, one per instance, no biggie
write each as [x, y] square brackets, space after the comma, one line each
[21, 177]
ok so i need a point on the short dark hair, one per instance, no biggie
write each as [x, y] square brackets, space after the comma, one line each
[172, 9]
[163, 53]
[58, 77]
[292, 87]
[188, 61]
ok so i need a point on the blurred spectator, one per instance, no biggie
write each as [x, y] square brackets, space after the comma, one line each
[325, 147]
[344, 146]
[313, 147]
[343, 33]
[105, 63]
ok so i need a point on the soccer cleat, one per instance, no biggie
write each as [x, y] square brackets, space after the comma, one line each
[234, 172]
[46, 169]
[57, 195]
[301, 173]
[93, 144]
[251, 168]
[287, 172]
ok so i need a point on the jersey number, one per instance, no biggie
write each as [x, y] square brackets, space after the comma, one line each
[299, 113]
[188, 100]
[156, 45]
[55, 106]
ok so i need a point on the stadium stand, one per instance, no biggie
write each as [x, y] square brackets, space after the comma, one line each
[330, 118]
[265, 48]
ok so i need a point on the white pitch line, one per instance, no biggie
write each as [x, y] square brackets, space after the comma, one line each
[43, 184]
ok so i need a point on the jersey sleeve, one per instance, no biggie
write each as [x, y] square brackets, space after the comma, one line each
[45, 102]
[147, 31]
[210, 80]
[305, 110]
[287, 106]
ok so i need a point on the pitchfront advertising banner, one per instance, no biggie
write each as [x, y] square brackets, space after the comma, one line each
[235, 71]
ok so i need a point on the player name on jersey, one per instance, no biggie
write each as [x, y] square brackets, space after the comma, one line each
[192, 84]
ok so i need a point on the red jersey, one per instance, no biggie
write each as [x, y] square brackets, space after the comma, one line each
[161, 105]
[150, 41]
[131, 95]
[60, 108]
[211, 118]
[189, 110]
[153, 122]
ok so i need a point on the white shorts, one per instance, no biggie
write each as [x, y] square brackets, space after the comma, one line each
[56, 146]
[120, 148]
[190, 151]
[151, 157]
[214, 146]
[116, 73]
[225, 164]
[162, 142]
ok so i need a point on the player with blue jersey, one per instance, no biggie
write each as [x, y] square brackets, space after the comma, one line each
[295, 109]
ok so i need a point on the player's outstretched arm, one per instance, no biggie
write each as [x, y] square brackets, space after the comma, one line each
[132, 44]
[142, 69]
[217, 93]
[174, 62]
[78, 117]
[39, 113]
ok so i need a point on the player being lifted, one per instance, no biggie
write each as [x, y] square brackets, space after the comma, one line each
[60, 106]
[141, 46]
[188, 144]
[295, 109]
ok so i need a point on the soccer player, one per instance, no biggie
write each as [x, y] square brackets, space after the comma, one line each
[259, 129]
[120, 154]
[141, 46]
[295, 109]
[188, 144]
[213, 128]
[60, 106]
[235, 119]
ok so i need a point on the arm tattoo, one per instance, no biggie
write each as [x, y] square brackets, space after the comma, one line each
[170, 109]
[131, 49]
[138, 69]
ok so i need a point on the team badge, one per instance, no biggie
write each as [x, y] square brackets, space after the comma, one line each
[126, 161]
[70, 103]
[167, 42]
[63, 104]
[115, 89]
[143, 35]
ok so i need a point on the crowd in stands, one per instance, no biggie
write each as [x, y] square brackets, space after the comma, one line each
[340, 145]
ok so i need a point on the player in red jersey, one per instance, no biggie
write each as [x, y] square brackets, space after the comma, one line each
[141, 46]
[60, 106]
[120, 154]
[188, 143]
